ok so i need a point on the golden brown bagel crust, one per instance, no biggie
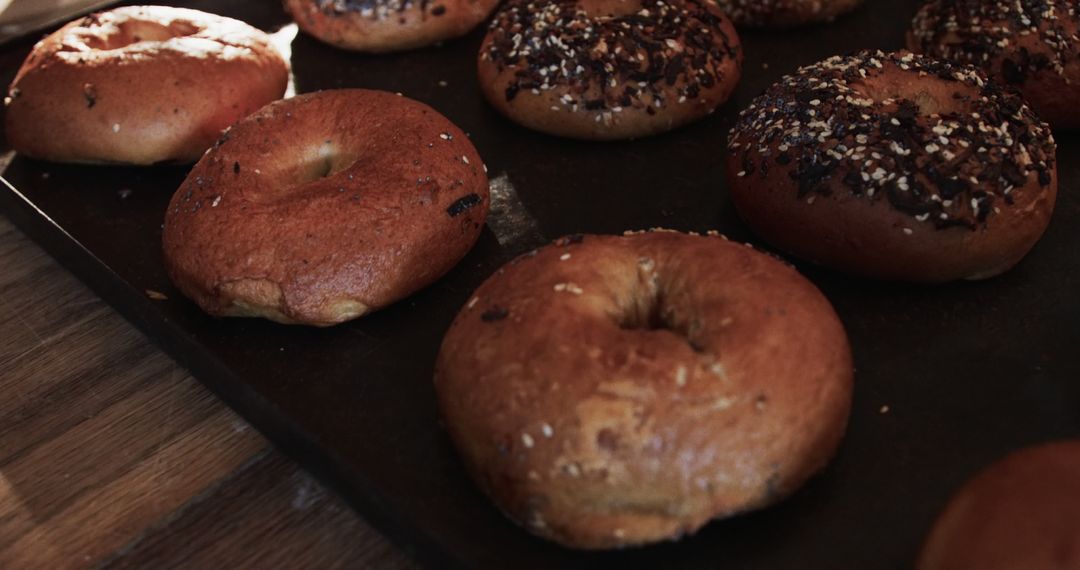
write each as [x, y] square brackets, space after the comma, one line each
[1033, 46]
[894, 166]
[387, 25]
[323, 207]
[785, 13]
[140, 85]
[610, 391]
[1021, 512]
[609, 69]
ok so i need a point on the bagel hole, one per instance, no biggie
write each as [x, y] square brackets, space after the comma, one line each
[653, 312]
[607, 439]
[318, 163]
[137, 31]
[881, 89]
[325, 163]
[610, 8]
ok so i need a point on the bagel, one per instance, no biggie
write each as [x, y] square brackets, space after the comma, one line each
[894, 166]
[1032, 46]
[785, 13]
[387, 25]
[609, 69]
[321, 208]
[140, 85]
[611, 391]
[1021, 512]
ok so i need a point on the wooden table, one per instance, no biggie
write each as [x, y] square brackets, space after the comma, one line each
[112, 455]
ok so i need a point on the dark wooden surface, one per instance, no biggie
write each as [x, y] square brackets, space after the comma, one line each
[111, 455]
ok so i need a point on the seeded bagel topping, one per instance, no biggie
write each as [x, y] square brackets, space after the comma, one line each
[611, 62]
[984, 31]
[851, 124]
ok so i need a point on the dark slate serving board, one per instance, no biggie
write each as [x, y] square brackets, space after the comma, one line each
[969, 371]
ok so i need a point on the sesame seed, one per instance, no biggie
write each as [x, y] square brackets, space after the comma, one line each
[680, 376]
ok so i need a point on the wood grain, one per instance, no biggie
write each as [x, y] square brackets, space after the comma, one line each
[113, 456]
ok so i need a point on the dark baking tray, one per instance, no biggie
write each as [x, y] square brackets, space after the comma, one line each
[969, 371]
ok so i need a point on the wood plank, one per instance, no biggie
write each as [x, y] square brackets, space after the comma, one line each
[265, 499]
[62, 511]
[111, 454]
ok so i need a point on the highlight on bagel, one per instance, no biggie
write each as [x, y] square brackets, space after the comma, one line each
[324, 207]
[140, 85]
[612, 391]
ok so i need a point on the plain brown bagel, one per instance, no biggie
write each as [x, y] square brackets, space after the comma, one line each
[1032, 46]
[321, 208]
[785, 13]
[1023, 512]
[140, 85]
[608, 391]
[387, 25]
[894, 166]
[609, 69]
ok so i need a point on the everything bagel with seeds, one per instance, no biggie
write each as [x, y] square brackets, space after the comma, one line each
[1033, 46]
[894, 166]
[140, 85]
[608, 391]
[387, 25]
[321, 208]
[609, 69]
[785, 13]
